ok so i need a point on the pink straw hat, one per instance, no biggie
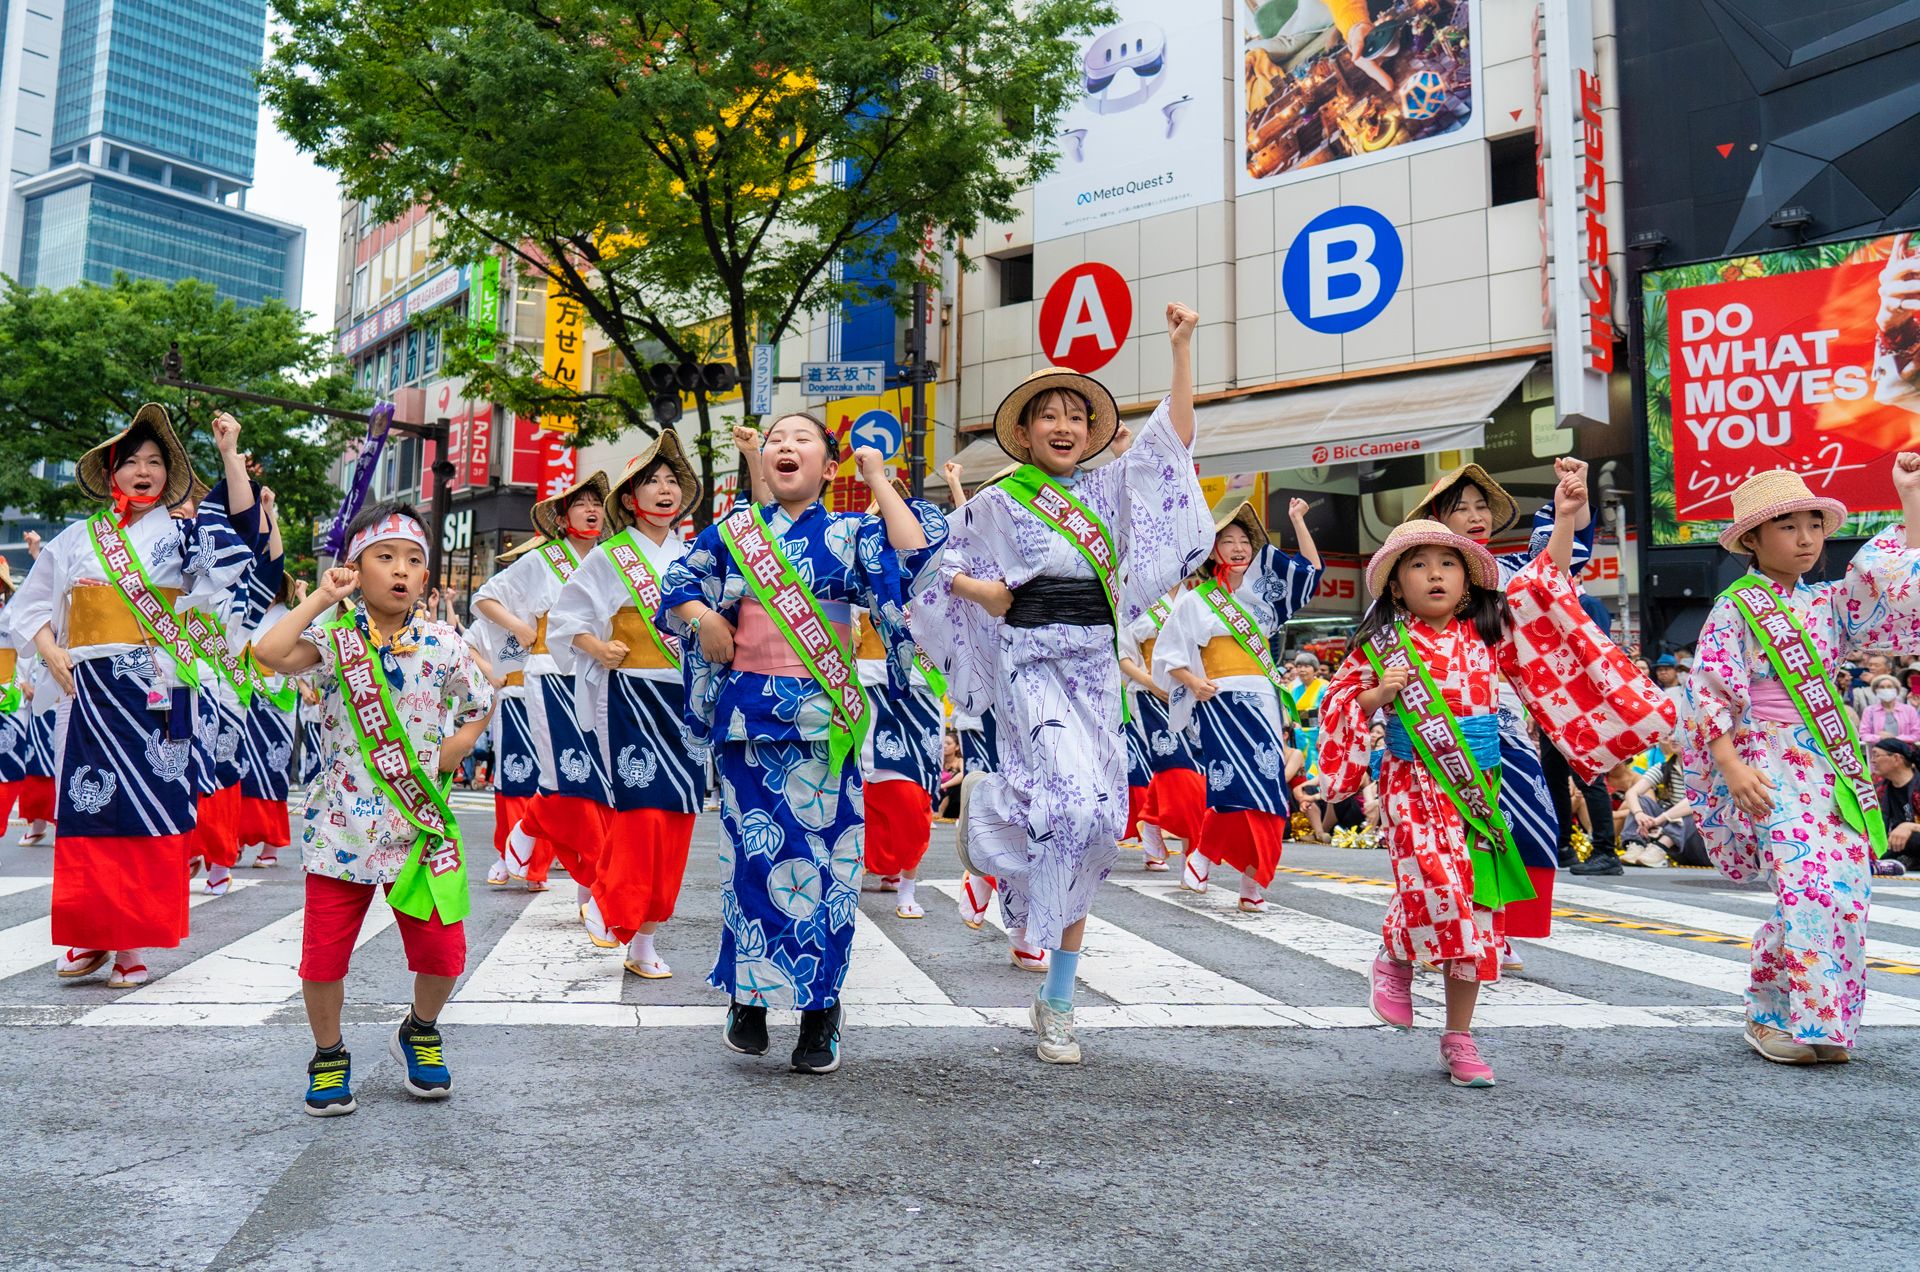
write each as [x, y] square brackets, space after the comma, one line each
[1408, 535]
[1775, 493]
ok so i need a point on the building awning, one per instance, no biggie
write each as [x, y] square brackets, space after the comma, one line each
[1349, 422]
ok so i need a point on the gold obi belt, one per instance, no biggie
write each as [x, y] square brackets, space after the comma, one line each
[96, 615]
[871, 648]
[539, 636]
[9, 663]
[515, 679]
[632, 629]
[1224, 657]
[1146, 653]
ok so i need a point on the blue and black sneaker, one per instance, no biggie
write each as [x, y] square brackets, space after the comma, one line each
[818, 1050]
[417, 1048]
[329, 1089]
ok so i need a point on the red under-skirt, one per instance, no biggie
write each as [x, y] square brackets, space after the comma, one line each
[1246, 839]
[1136, 802]
[36, 798]
[1531, 918]
[120, 893]
[1177, 803]
[507, 811]
[264, 821]
[216, 827]
[640, 868]
[9, 794]
[571, 829]
[899, 824]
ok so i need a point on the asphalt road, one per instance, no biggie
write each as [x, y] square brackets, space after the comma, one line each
[1234, 1109]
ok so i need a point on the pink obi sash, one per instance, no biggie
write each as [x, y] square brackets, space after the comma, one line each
[759, 647]
[1767, 700]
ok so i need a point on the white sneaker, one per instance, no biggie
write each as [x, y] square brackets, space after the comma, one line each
[497, 872]
[1655, 857]
[1057, 1043]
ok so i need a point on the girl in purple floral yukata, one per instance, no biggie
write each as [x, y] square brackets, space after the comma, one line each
[1022, 621]
[1771, 754]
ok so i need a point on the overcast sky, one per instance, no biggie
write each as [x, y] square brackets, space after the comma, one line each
[289, 186]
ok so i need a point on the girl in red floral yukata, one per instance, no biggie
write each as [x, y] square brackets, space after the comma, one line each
[1428, 656]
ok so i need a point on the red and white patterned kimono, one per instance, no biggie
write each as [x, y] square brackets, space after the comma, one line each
[1580, 686]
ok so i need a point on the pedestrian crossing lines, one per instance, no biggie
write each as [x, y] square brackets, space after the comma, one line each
[1155, 957]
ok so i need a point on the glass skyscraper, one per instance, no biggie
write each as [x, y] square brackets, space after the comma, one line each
[147, 110]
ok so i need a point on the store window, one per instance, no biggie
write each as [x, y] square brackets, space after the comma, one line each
[1015, 278]
[1511, 166]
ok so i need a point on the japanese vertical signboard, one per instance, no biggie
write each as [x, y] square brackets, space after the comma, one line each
[1806, 359]
[485, 309]
[565, 351]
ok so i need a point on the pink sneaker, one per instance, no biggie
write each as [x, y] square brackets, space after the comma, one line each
[1392, 998]
[1463, 1061]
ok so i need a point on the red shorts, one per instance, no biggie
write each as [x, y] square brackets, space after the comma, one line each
[335, 910]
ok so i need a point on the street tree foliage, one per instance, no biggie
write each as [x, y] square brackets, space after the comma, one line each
[671, 163]
[82, 360]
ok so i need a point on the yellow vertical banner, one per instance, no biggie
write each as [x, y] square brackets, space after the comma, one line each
[564, 355]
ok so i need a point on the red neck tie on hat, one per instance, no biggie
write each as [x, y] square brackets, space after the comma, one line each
[127, 506]
[586, 536]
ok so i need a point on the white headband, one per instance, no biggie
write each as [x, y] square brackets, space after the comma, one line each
[392, 526]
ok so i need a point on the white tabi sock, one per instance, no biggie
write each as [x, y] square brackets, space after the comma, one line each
[519, 850]
[640, 949]
[582, 894]
[906, 893]
[1154, 842]
[1249, 890]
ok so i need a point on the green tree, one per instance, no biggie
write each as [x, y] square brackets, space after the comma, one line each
[82, 360]
[669, 163]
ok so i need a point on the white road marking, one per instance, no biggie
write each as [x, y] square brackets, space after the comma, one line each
[878, 971]
[25, 946]
[10, 885]
[1636, 906]
[545, 957]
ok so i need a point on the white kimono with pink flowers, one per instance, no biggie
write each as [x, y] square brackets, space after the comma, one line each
[1809, 957]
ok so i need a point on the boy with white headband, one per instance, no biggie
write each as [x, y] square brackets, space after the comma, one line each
[391, 680]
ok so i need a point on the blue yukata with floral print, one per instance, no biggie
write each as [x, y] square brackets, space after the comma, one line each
[793, 835]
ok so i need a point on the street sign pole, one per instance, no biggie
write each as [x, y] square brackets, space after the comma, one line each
[917, 373]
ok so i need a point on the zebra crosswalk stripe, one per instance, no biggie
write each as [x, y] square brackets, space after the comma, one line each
[28, 945]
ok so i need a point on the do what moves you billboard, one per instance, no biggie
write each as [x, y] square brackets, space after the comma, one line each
[1804, 358]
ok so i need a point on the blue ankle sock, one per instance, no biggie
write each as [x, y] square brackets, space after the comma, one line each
[1061, 966]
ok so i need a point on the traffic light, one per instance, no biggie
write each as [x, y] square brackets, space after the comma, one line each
[666, 381]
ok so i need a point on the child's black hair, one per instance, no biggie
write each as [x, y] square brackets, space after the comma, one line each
[1486, 610]
[826, 434]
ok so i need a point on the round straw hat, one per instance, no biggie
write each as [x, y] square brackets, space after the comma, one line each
[1481, 567]
[1241, 512]
[1103, 420]
[1499, 502]
[1775, 493]
[665, 446]
[546, 513]
[94, 471]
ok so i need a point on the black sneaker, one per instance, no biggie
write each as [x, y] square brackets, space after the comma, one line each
[818, 1050]
[746, 1029]
[1601, 861]
[419, 1049]
[329, 1085]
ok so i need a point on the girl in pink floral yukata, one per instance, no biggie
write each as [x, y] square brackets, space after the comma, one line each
[1428, 656]
[1772, 759]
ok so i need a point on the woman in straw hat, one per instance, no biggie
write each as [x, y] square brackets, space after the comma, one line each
[267, 774]
[567, 817]
[1215, 660]
[16, 740]
[900, 762]
[1772, 759]
[602, 629]
[125, 800]
[516, 773]
[1176, 794]
[1024, 617]
[763, 606]
[226, 689]
[1535, 790]
[1428, 652]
